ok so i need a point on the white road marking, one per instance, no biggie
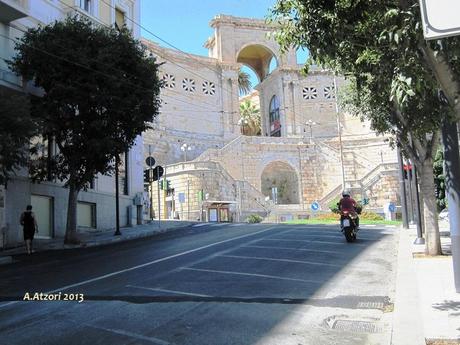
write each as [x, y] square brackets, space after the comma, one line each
[198, 225]
[168, 291]
[281, 260]
[130, 334]
[313, 241]
[369, 225]
[252, 275]
[145, 264]
[219, 224]
[292, 249]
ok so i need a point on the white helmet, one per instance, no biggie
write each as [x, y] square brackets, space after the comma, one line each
[345, 193]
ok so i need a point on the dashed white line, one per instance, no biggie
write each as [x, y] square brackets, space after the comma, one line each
[198, 225]
[167, 291]
[252, 275]
[146, 264]
[281, 260]
[293, 249]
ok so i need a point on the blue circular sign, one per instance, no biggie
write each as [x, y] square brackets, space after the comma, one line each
[315, 206]
[392, 207]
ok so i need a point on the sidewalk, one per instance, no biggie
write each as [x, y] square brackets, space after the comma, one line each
[97, 238]
[427, 308]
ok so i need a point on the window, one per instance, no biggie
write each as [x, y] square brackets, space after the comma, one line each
[329, 92]
[188, 84]
[86, 214]
[119, 19]
[85, 5]
[309, 93]
[274, 116]
[209, 88]
[43, 149]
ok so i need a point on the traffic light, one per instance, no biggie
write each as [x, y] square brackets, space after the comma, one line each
[168, 185]
[147, 175]
[161, 184]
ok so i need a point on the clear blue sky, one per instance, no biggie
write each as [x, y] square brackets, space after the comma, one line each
[185, 23]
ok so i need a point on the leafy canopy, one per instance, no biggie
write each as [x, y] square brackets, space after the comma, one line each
[17, 127]
[100, 91]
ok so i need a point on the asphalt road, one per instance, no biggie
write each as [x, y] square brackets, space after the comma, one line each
[213, 284]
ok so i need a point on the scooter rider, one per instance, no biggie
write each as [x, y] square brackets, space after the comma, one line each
[347, 203]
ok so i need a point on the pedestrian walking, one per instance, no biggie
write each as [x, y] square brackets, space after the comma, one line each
[29, 224]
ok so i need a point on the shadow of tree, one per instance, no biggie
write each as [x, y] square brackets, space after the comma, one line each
[447, 305]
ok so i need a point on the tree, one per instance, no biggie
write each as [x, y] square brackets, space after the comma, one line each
[440, 180]
[249, 118]
[15, 132]
[381, 45]
[244, 82]
[100, 92]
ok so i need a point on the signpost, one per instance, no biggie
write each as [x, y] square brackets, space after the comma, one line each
[314, 206]
[440, 18]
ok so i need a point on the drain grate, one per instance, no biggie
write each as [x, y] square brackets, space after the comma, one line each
[357, 326]
[370, 305]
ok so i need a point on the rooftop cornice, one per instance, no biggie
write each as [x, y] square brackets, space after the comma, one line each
[241, 22]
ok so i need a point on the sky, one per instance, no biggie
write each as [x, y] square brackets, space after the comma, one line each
[185, 23]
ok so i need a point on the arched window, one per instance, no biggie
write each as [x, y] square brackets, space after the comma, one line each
[274, 115]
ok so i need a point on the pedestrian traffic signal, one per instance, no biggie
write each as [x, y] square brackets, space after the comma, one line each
[168, 185]
[147, 175]
[161, 184]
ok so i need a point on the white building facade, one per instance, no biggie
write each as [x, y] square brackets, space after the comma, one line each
[96, 206]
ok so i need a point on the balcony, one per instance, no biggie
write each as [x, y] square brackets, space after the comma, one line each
[12, 9]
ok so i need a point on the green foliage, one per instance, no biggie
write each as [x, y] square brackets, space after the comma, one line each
[100, 93]
[377, 45]
[254, 218]
[334, 206]
[440, 180]
[244, 82]
[17, 127]
[250, 118]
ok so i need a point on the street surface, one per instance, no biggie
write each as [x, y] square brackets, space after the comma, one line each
[216, 284]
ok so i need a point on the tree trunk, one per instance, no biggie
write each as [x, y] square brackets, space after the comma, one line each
[71, 228]
[430, 213]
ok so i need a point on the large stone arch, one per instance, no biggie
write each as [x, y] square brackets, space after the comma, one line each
[233, 34]
[257, 56]
[280, 182]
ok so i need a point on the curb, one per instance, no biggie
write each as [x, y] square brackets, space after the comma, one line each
[7, 259]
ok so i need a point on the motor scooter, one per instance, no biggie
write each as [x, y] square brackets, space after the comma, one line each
[348, 225]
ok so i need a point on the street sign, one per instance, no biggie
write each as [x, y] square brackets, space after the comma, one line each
[157, 172]
[391, 207]
[314, 206]
[150, 161]
[440, 18]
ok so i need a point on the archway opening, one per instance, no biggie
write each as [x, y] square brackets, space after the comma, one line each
[258, 58]
[279, 182]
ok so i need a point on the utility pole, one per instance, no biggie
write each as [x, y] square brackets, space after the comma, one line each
[158, 195]
[339, 130]
[419, 239]
[452, 173]
[117, 197]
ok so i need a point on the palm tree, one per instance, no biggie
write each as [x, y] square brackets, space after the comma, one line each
[244, 82]
[249, 119]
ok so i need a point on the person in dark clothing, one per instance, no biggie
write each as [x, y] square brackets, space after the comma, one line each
[29, 223]
[348, 204]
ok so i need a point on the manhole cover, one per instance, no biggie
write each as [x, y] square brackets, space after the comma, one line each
[357, 326]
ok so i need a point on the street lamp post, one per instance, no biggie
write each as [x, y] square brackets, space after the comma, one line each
[184, 148]
[339, 130]
[311, 123]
